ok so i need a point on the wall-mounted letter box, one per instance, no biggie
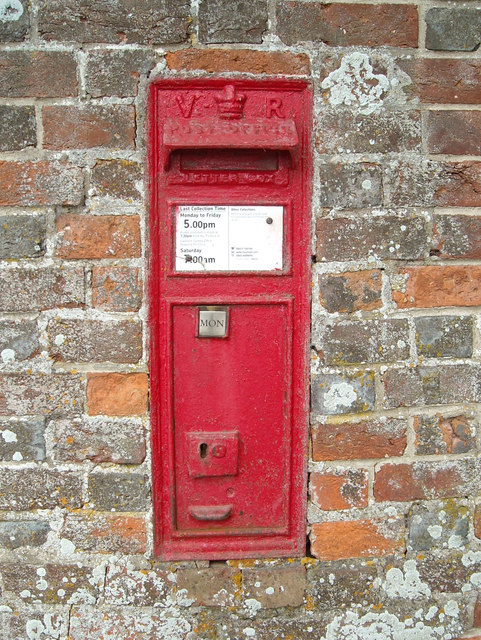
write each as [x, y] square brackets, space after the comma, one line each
[229, 299]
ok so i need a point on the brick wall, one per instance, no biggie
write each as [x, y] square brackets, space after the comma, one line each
[393, 519]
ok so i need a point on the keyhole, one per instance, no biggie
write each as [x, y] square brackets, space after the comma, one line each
[203, 449]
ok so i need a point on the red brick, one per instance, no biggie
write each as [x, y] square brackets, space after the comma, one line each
[37, 74]
[457, 237]
[454, 132]
[357, 539]
[242, 60]
[116, 288]
[359, 440]
[445, 80]
[347, 24]
[477, 615]
[40, 183]
[117, 394]
[68, 127]
[440, 286]
[105, 533]
[83, 237]
[340, 489]
[351, 291]
[419, 481]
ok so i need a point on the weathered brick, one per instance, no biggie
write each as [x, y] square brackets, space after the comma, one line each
[39, 488]
[116, 288]
[49, 394]
[275, 587]
[94, 623]
[440, 435]
[235, 21]
[428, 183]
[17, 127]
[68, 127]
[38, 619]
[426, 480]
[436, 286]
[357, 342]
[81, 237]
[446, 573]
[284, 625]
[212, 587]
[23, 533]
[42, 288]
[339, 393]
[117, 179]
[453, 29]
[444, 80]
[340, 585]
[438, 525]
[385, 238]
[343, 131]
[477, 521]
[457, 237]
[14, 21]
[345, 25]
[51, 584]
[243, 60]
[125, 586]
[137, 21]
[431, 385]
[91, 340]
[350, 186]
[357, 538]
[118, 491]
[444, 336]
[351, 291]
[339, 489]
[22, 439]
[117, 73]
[22, 236]
[117, 394]
[105, 533]
[383, 438]
[28, 74]
[18, 340]
[454, 132]
[40, 183]
[98, 439]
[477, 613]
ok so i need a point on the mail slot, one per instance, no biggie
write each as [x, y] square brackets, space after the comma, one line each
[229, 314]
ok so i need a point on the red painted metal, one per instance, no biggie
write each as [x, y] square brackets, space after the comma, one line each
[229, 415]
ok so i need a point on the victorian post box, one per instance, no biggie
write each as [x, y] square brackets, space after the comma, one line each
[229, 299]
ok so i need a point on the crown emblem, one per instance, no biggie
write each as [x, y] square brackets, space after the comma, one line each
[230, 104]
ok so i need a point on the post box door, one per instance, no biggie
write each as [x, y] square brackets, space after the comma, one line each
[229, 299]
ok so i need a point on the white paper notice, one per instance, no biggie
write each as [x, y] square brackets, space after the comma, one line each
[229, 238]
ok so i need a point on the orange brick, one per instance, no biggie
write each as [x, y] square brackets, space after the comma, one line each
[451, 286]
[419, 481]
[337, 490]
[83, 237]
[117, 394]
[224, 60]
[105, 532]
[356, 539]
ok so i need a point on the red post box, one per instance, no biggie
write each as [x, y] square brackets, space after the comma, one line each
[229, 299]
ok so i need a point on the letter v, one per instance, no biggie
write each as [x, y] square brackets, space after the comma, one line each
[186, 104]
